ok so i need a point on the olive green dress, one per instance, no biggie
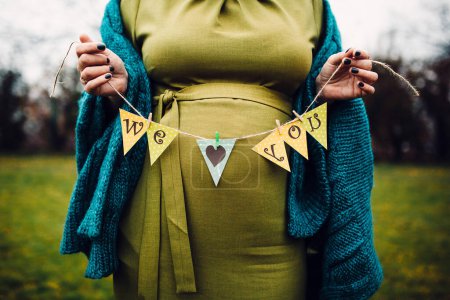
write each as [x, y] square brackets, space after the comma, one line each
[228, 66]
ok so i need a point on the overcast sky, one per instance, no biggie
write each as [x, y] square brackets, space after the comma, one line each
[35, 34]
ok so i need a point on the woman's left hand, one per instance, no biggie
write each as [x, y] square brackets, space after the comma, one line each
[354, 79]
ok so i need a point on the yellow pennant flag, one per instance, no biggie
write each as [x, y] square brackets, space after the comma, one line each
[133, 128]
[159, 138]
[295, 136]
[272, 148]
[315, 122]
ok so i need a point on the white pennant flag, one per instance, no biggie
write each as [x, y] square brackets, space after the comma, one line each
[216, 158]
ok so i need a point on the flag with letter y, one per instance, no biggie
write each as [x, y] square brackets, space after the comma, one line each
[272, 147]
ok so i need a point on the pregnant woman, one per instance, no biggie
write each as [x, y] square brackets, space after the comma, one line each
[235, 66]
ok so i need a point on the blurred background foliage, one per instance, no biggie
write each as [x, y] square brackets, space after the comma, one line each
[404, 128]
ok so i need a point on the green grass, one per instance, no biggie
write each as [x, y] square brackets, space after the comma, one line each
[410, 211]
[34, 198]
[411, 219]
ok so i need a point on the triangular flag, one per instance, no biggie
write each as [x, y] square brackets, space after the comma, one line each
[315, 122]
[159, 138]
[272, 148]
[216, 158]
[295, 136]
[133, 128]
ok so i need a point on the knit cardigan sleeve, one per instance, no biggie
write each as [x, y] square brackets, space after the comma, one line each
[106, 178]
[335, 191]
[351, 267]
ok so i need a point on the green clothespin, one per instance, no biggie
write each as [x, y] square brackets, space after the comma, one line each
[216, 144]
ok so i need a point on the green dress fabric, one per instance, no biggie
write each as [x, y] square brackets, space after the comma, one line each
[232, 67]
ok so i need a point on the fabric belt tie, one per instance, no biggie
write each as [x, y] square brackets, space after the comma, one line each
[173, 194]
[172, 185]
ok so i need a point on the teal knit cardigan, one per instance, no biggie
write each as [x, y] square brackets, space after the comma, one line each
[330, 191]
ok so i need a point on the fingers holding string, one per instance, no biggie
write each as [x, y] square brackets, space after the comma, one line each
[90, 48]
[90, 73]
[365, 88]
[88, 60]
[91, 53]
[360, 65]
[356, 53]
[354, 57]
[365, 64]
[92, 85]
[369, 77]
[87, 45]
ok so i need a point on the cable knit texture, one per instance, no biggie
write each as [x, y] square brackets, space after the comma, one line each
[334, 185]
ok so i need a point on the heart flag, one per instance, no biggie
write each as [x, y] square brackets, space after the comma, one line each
[216, 158]
[133, 128]
[315, 122]
[295, 136]
[272, 147]
[159, 138]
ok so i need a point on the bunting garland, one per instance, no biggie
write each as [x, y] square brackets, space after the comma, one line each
[216, 152]
[272, 147]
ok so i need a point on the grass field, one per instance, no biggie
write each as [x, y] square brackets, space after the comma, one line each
[410, 210]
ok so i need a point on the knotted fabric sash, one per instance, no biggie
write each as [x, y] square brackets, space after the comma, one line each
[171, 177]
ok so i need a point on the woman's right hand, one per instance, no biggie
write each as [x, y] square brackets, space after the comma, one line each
[97, 66]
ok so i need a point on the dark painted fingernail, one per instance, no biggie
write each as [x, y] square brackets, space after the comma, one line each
[108, 76]
[101, 47]
[357, 53]
[111, 68]
[107, 60]
[347, 61]
[355, 70]
[361, 84]
[347, 50]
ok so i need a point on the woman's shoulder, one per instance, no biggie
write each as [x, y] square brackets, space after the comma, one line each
[128, 12]
[318, 13]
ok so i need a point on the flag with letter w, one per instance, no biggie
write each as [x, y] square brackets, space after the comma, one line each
[133, 128]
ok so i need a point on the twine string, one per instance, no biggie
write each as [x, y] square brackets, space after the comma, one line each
[132, 107]
[125, 99]
[321, 89]
[60, 68]
[384, 65]
[403, 79]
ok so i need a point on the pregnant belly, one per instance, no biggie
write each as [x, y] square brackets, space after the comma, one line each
[237, 230]
[251, 196]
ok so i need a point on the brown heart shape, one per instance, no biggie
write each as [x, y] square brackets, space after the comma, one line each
[215, 156]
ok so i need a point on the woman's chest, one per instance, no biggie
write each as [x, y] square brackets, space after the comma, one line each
[263, 42]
